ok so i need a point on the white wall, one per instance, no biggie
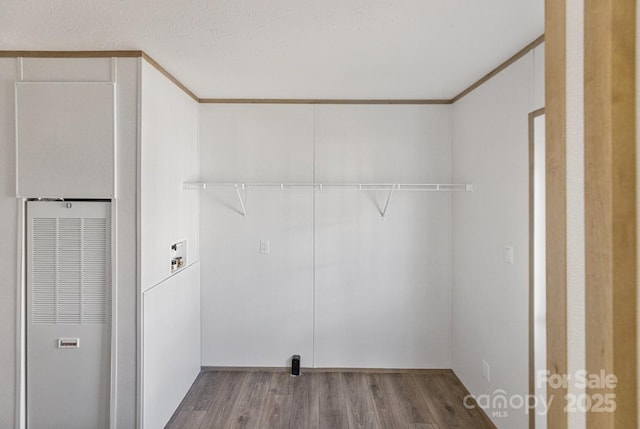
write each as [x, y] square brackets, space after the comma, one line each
[540, 264]
[171, 344]
[256, 308]
[382, 287]
[9, 236]
[340, 284]
[125, 203]
[168, 214]
[168, 157]
[126, 78]
[490, 296]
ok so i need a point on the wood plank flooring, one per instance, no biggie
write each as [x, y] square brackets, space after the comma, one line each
[326, 400]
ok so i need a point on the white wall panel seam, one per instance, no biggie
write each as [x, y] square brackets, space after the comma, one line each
[139, 300]
[20, 241]
[313, 226]
[451, 236]
[20, 417]
[166, 279]
[114, 259]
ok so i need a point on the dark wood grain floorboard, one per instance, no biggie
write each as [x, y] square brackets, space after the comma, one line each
[190, 414]
[333, 410]
[459, 392]
[210, 383]
[190, 401]
[187, 419]
[280, 383]
[305, 404]
[225, 402]
[422, 426]
[276, 412]
[360, 408]
[251, 401]
[439, 392]
[438, 401]
[411, 400]
[256, 399]
[186, 416]
[387, 404]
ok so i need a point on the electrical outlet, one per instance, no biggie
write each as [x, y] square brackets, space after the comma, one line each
[264, 247]
[486, 371]
[508, 254]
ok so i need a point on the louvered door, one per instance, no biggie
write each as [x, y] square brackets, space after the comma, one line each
[68, 329]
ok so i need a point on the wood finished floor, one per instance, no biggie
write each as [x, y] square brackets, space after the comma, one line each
[326, 400]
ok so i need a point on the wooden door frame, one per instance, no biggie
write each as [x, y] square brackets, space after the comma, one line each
[556, 200]
[610, 204]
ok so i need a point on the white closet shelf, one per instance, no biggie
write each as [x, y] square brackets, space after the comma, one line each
[388, 187]
[442, 187]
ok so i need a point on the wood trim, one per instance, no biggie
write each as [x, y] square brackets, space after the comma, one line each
[610, 205]
[70, 54]
[327, 370]
[100, 54]
[532, 165]
[384, 370]
[169, 76]
[556, 200]
[154, 63]
[315, 101]
[521, 53]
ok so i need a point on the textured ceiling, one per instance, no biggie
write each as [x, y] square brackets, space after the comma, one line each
[411, 49]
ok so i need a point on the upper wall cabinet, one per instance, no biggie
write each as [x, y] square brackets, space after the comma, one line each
[65, 135]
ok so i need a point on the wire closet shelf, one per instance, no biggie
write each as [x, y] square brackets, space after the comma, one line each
[326, 186]
[390, 188]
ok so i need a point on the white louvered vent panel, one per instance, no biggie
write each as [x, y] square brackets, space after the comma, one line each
[43, 292]
[94, 270]
[70, 270]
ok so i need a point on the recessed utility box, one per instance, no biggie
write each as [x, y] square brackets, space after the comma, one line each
[178, 256]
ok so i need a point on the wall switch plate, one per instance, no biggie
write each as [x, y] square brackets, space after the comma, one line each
[486, 371]
[508, 254]
[264, 247]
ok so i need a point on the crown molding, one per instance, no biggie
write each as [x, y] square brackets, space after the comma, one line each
[156, 65]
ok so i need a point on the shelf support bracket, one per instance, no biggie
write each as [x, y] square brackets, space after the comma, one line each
[244, 211]
[386, 205]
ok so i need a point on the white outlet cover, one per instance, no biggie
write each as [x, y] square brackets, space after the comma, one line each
[264, 247]
[508, 254]
[486, 371]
